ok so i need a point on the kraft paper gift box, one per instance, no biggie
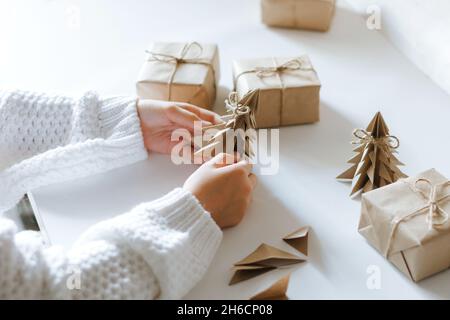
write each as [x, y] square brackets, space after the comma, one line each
[182, 72]
[407, 222]
[300, 14]
[288, 89]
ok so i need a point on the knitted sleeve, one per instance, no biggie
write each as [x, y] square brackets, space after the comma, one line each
[159, 249]
[48, 139]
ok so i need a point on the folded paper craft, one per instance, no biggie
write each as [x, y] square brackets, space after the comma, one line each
[262, 260]
[236, 133]
[266, 255]
[298, 240]
[183, 72]
[300, 14]
[408, 223]
[277, 291]
[374, 164]
[288, 89]
[242, 273]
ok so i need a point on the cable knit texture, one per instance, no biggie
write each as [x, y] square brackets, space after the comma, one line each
[160, 249]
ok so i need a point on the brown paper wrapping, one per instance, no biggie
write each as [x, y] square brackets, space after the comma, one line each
[300, 14]
[193, 81]
[285, 97]
[414, 247]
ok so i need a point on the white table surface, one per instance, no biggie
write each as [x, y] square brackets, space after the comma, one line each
[360, 71]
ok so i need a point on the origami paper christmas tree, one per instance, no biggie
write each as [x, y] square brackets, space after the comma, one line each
[236, 124]
[374, 164]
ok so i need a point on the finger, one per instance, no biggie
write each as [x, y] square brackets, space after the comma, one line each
[183, 117]
[223, 159]
[203, 114]
[245, 165]
[253, 180]
[200, 157]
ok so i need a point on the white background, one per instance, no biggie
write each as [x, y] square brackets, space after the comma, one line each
[361, 73]
[420, 29]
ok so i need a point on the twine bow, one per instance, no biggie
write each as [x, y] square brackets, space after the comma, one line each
[239, 112]
[168, 58]
[292, 65]
[436, 216]
[177, 60]
[365, 137]
[233, 106]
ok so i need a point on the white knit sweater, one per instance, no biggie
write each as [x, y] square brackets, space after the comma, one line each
[160, 249]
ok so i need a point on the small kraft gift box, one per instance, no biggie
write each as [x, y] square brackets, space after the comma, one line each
[408, 223]
[301, 14]
[289, 89]
[182, 72]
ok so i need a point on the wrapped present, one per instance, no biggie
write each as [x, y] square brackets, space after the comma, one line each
[300, 14]
[407, 221]
[288, 89]
[183, 72]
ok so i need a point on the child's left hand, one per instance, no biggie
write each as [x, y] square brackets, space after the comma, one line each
[160, 118]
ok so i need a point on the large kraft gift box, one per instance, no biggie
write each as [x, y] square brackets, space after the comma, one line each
[300, 14]
[407, 222]
[289, 89]
[182, 72]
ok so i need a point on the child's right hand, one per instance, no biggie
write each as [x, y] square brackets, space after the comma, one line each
[224, 187]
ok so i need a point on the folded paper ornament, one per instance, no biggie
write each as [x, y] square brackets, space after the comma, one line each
[265, 258]
[298, 240]
[266, 255]
[236, 134]
[242, 273]
[374, 164]
[277, 291]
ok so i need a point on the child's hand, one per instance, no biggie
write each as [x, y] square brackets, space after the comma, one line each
[224, 187]
[160, 118]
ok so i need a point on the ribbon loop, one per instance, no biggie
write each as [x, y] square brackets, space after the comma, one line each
[436, 215]
[188, 47]
[362, 135]
[232, 105]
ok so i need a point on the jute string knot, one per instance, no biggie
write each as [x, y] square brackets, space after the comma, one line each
[364, 137]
